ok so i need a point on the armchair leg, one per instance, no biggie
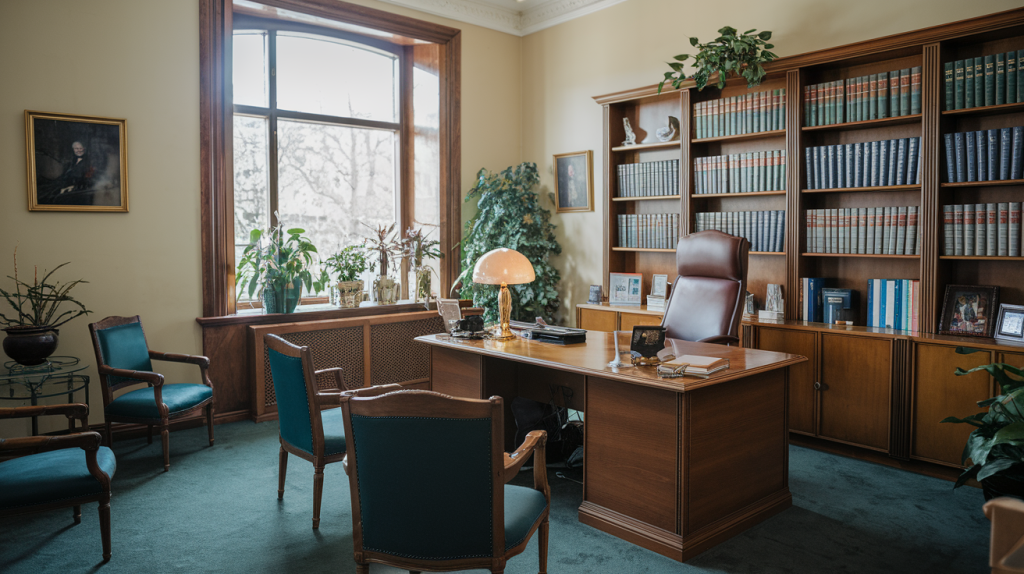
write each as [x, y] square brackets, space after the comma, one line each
[149, 437]
[105, 526]
[363, 568]
[318, 492]
[282, 470]
[110, 435]
[77, 515]
[209, 421]
[542, 542]
[165, 437]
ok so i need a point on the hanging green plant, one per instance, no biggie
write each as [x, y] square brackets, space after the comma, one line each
[510, 215]
[743, 54]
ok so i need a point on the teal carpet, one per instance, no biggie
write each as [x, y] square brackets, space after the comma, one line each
[217, 511]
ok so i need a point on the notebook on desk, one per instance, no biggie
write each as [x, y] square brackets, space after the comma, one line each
[695, 365]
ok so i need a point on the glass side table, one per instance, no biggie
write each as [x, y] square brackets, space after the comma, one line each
[58, 376]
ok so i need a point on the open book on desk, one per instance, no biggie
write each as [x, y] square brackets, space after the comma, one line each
[689, 365]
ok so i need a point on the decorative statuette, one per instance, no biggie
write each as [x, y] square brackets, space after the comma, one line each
[630, 136]
[669, 132]
[774, 304]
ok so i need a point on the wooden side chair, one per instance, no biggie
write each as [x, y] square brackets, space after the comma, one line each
[428, 475]
[48, 472]
[124, 359]
[308, 431]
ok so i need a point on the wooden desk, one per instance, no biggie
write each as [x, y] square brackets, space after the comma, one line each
[672, 465]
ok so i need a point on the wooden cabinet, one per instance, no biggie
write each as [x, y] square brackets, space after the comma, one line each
[595, 320]
[802, 377]
[856, 377]
[605, 317]
[629, 320]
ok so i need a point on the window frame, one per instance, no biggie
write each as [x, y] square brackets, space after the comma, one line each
[217, 111]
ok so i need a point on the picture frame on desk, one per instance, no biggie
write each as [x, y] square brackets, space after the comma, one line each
[625, 288]
[659, 285]
[1010, 323]
[574, 181]
[967, 310]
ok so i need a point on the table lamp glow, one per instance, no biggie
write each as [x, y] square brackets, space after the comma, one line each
[503, 267]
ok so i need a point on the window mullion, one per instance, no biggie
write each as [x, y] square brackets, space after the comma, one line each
[272, 126]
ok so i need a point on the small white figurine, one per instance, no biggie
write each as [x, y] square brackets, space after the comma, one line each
[630, 136]
[668, 133]
[774, 302]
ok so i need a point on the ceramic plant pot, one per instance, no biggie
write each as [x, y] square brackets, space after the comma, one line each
[350, 294]
[30, 345]
[386, 290]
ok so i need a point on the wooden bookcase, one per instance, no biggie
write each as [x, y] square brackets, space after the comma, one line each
[913, 388]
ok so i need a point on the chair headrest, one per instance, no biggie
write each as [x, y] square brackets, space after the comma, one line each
[712, 254]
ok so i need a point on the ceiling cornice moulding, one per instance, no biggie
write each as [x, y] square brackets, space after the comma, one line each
[502, 19]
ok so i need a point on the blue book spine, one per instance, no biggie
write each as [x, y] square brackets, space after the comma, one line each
[901, 163]
[1011, 76]
[961, 160]
[897, 312]
[848, 167]
[817, 168]
[823, 167]
[1005, 139]
[993, 155]
[871, 303]
[809, 170]
[950, 165]
[883, 305]
[1016, 166]
[891, 176]
[875, 145]
[981, 150]
[867, 164]
[840, 166]
[914, 162]
[831, 162]
[858, 168]
[972, 168]
[883, 162]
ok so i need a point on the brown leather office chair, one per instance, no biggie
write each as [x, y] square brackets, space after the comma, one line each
[706, 303]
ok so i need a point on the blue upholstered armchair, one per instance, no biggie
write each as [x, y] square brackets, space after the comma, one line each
[123, 359]
[427, 475]
[48, 472]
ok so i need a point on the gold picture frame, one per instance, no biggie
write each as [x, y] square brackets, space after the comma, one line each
[571, 194]
[76, 163]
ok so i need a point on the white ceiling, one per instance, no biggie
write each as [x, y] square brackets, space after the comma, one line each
[510, 16]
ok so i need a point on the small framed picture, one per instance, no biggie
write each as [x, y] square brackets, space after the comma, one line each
[625, 288]
[76, 163]
[967, 310]
[659, 285]
[574, 181]
[1010, 323]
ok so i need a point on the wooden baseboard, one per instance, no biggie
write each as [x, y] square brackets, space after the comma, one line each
[632, 530]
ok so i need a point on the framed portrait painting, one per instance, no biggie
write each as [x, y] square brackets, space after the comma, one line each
[969, 310]
[574, 182]
[76, 163]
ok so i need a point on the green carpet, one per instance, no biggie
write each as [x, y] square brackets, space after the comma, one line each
[217, 511]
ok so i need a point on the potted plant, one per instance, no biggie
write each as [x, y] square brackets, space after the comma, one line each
[996, 445]
[275, 265]
[389, 250]
[744, 54]
[32, 330]
[417, 248]
[347, 265]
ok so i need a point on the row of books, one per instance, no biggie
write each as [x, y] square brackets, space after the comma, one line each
[873, 97]
[649, 179]
[820, 304]
[765, 230]
[986, 155]
[865, 164]
[746, 114]
[863, 231]
[982, 229]
[894, 304]
[990, 80]
[741, 172]
[649, 230]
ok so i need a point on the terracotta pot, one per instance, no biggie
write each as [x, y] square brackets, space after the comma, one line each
[30, 345]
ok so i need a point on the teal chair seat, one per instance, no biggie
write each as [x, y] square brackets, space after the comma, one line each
[523, 506]
[334, 432]
[141, 403]
[52, 476]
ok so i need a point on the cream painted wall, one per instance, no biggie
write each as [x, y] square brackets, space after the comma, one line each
[140, 61]
[625, 47]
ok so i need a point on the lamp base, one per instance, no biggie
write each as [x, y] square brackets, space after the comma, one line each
[499, 334]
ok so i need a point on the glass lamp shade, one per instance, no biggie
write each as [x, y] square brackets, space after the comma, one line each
[503, 265]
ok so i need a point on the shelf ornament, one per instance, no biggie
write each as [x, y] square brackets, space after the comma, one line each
[743, 54]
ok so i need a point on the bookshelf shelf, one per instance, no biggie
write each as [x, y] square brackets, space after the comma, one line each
[877, 189]
[767, 252]
[863, 255]
[978, 258]
[643, 146]
[992, 183]
[742, 137]
[643, 250]
[746, 194]
[648, 198]
[987, 110]
[898, 120]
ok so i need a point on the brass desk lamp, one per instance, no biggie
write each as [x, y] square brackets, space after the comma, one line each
[503, 267]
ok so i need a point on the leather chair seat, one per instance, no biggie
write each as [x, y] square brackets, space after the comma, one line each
[141, 404]
[51, 476]
[523, 506]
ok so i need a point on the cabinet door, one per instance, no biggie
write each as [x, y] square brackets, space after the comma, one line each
[629, 320]
[856, 375]
[939, 393]
[801, 377]
[594, 320]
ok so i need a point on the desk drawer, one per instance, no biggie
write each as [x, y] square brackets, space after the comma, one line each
[629, 320]
[593, 320]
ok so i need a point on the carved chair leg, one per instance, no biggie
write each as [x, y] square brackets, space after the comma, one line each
[542, 542]
[282, 470]
[318, 492]
[362, 568]
[105, 526]
[77, 515]
[209, 421]
[149, 438]
[165, 437]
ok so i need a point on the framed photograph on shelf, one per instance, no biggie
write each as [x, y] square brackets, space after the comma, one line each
[574, 181]
[659, 285]
[1010, 323]
[968, 310]
[76, 163]
[625, 288]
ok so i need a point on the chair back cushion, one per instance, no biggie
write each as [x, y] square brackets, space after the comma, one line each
[425, 486]
[51, 476]
[124, 347]
[707, 296]
[292, 400]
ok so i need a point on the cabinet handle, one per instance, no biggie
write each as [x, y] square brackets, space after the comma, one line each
[817, 386]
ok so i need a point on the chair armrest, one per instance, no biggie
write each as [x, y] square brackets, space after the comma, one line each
[364, 392]
[178, 358]
[339, 380]
[721, 340]
[35, 444]
[72, 411]
[328, 397]
[155, 379]
[513, 462]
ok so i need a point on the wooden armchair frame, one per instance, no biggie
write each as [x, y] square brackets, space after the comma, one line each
[153, 379]
[89, 441]
[428, 404]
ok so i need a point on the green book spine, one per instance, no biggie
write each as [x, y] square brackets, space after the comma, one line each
[848, 99]
[958, 83]
[894, 93]
[1011, 77]
[873, 97]
[840, 102]
[813, 119]
[948, 68]
[822, 103]
[979, 81]
[969, 84]
[905, 92]
[915, 90]
[883, 95]
[1020, 77]
[990, 80]
[830, 114]
[808, 116]
[732, 117]
[865, 90]
[1000, 79]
